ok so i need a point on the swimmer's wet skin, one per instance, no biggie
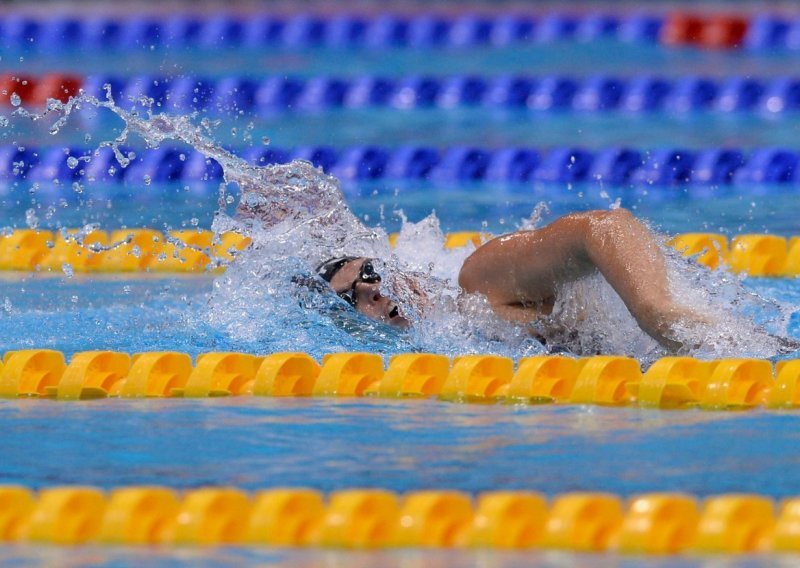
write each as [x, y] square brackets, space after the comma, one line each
[520, 273]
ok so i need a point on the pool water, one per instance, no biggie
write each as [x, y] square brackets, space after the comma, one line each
[331, 444]
[494, 206]
[155, 313]
[335, 444]
[565, 58]
[406, 445]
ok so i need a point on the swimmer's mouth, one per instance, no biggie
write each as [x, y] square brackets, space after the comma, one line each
[394, 312]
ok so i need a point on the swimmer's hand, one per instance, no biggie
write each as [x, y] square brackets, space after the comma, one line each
[689, 326]
[787, 345]
[672, 325]
[411, 291]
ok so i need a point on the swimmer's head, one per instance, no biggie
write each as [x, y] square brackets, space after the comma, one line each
[355, 280]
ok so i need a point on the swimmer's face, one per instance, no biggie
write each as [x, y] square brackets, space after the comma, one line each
[353, 279]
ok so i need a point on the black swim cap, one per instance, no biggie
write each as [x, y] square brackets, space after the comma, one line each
[328, 269]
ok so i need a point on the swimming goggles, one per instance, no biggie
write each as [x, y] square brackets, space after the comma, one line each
[366, 274]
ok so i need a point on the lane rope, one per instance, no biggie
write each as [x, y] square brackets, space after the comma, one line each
[431, 30]
[665, 168]
[286, 94]
[654, 523]
[423, 31]
[670, 382]
[201, 251]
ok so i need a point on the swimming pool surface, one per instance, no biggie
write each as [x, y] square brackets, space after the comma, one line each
[330, 444]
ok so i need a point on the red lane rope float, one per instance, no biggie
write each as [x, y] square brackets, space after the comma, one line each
[717, 31]
[724, 32]
[36, 90]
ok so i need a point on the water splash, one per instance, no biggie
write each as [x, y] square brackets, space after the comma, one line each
[293, 196]
[297, 217]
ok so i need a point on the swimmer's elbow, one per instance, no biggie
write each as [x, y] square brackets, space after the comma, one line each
[591, 222]
[472, 276]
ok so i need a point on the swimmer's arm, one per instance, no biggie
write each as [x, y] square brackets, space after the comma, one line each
[528, 267]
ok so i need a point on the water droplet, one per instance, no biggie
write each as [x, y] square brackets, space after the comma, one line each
[69, 272]
[194, 221]
[147, 179]
[76, 187]
[15, 100]
[87, 138]
[265, 140]
[72, 162]
[3, 122]
[74, 299]
[31, 220]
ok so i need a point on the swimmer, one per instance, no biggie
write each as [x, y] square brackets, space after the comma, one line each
[520, 274]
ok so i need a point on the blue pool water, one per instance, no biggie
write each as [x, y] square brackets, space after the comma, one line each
[404, 445]
[558, 58]
[499, 207]
[332, 444]
[465, 126]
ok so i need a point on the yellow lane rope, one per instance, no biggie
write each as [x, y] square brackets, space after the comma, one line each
[195, 250]
[670, 382]
[656, 523]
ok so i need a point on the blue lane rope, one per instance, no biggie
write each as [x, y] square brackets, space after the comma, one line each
[303, 31]
[597, 93]
[662, 167]
[70, 32]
